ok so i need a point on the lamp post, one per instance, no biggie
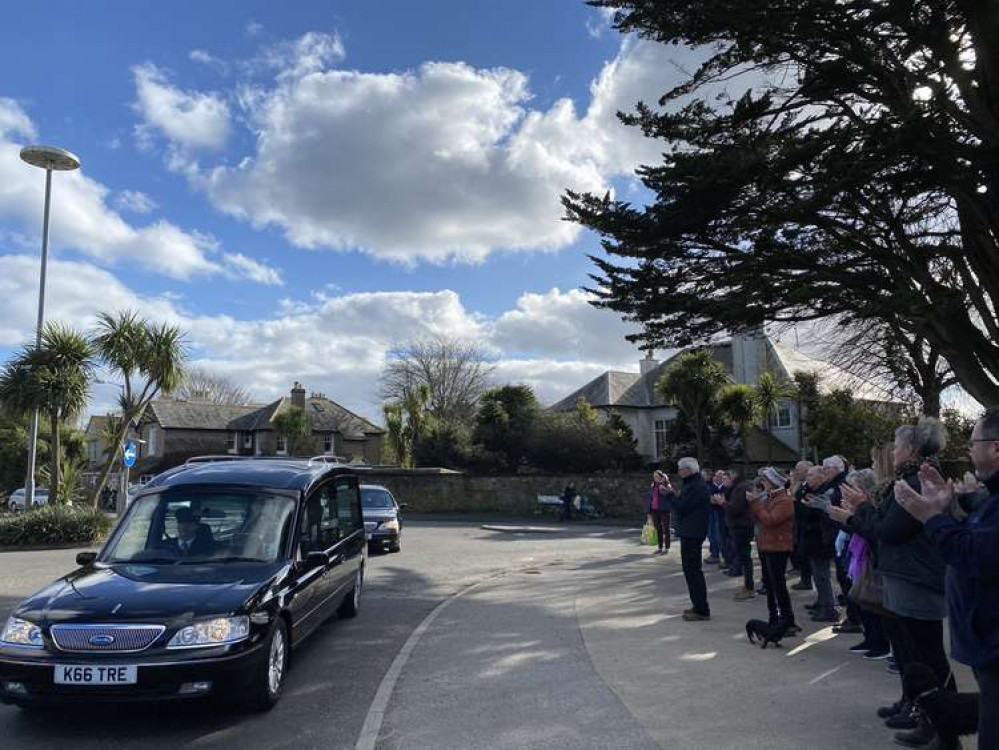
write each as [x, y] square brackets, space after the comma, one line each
[51, 159]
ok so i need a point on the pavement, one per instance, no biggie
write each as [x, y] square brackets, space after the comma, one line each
[475, 638]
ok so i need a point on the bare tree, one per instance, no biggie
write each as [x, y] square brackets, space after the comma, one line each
[905, 365]
[202, 384]
[456, 372]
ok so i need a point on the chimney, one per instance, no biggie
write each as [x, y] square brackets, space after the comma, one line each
[648, 364]
[298, 395]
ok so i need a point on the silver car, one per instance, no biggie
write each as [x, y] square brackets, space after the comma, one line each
[16, 501]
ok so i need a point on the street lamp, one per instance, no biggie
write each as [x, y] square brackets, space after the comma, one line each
[51, 159]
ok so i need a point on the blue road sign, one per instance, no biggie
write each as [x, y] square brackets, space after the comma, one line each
[131, 453]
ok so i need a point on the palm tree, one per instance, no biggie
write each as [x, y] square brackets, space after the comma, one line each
[55, 379]
[738, 407]
[148, 358]
[768, 394]
[692, 384]
[396, 436]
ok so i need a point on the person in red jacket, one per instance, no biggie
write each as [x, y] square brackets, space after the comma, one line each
[773, 510]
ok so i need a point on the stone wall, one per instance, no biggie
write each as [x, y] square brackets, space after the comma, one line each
[620, 496]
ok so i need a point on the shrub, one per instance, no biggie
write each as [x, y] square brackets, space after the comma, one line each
[54, 524]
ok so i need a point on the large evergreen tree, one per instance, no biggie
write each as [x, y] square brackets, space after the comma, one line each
[853, 172]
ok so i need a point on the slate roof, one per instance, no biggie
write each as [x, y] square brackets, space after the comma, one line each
[325, 415]
[632, 390]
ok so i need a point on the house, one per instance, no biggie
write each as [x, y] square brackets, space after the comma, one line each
[170, 432]
[745, 357]
[95, 442]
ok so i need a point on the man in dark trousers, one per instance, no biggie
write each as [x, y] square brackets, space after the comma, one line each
[692, 510]
[971, 550]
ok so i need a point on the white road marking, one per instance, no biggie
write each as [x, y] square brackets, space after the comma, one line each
[815, 638]
[832, 671]
[376, 712]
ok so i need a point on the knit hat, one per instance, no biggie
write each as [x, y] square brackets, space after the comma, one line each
[774, 477]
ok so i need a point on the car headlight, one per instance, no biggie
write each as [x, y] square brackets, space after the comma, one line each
[22, 633]
[214, 632]
[391, 525]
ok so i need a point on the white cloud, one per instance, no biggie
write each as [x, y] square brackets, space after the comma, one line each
[201, 56]
[190, 120]
[253, 29]
[239, 266]
[446, 162]
[335, 343]
[135, 201]
[83, 220]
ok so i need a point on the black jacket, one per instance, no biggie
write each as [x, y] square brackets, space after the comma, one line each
[738, 514]
[901, 546]
[693, 508]
[817, 531]
[971, 549]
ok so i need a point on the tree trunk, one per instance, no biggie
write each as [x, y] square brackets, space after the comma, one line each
[699, 439]
[55, 445]
[113, 450]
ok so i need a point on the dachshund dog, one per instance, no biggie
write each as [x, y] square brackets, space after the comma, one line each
[952, 714]
[765, 633]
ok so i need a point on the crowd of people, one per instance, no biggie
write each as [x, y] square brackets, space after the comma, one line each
[906, 554]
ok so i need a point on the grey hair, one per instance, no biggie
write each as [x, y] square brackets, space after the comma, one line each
[863, 479]
[806, 465]
[834, 462]
[926, 438]
[689, 463]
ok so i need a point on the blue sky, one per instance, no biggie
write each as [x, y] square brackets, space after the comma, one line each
[302, 187]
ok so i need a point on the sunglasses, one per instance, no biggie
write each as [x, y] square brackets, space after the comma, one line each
[971, 443]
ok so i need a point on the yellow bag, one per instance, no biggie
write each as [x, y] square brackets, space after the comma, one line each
[649, 535]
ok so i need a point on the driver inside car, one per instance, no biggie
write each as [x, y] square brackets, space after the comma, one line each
[193, 539]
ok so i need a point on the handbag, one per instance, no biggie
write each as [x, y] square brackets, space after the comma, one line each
[868, 590]
[649, 535]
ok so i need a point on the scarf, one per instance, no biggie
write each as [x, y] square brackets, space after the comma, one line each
[912, 466]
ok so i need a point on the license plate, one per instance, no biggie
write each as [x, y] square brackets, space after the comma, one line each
[68, 674]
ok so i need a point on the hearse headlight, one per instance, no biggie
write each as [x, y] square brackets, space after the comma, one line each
[390, 525]
[22, 633]
[215, 632]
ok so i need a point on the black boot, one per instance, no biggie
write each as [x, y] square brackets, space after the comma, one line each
[886, 712]
[905, 718]
[922, 735]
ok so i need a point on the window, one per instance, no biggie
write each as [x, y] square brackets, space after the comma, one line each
[247, 439]
[228, 528]
[282, 444]
[328, 443]
[152, 440]
[320, 525]
[660, 437]
[230, 442]
[782, 419]
[348, 506]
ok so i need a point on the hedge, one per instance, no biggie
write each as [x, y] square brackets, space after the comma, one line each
[55, 525]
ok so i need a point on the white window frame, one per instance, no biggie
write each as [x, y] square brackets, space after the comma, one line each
[231, 441]
[152, 440]
[776, 422]
[657, 450]
[247, 440]
[281, 445]
[328, 438]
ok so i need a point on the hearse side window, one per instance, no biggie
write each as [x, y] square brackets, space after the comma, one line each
[348, 506]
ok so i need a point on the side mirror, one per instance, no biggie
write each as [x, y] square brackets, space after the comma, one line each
[315, 560]
[403, 506]
[85, 558]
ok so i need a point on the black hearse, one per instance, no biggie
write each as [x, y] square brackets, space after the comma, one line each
[216, 571]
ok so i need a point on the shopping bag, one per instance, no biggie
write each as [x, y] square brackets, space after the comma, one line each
[649, 535]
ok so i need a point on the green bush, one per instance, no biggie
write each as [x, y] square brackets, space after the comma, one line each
[54, 524]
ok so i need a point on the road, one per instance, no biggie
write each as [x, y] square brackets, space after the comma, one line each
[561, 640]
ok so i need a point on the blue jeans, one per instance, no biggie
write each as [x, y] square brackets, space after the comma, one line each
[714, 533]
[822, 578]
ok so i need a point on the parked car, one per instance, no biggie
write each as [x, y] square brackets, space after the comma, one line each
[16, 501]
[214, 573]
[382, 518]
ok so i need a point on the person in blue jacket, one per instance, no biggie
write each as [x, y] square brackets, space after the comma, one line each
[971, 550]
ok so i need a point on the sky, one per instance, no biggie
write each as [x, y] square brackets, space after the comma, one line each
[303, 188]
